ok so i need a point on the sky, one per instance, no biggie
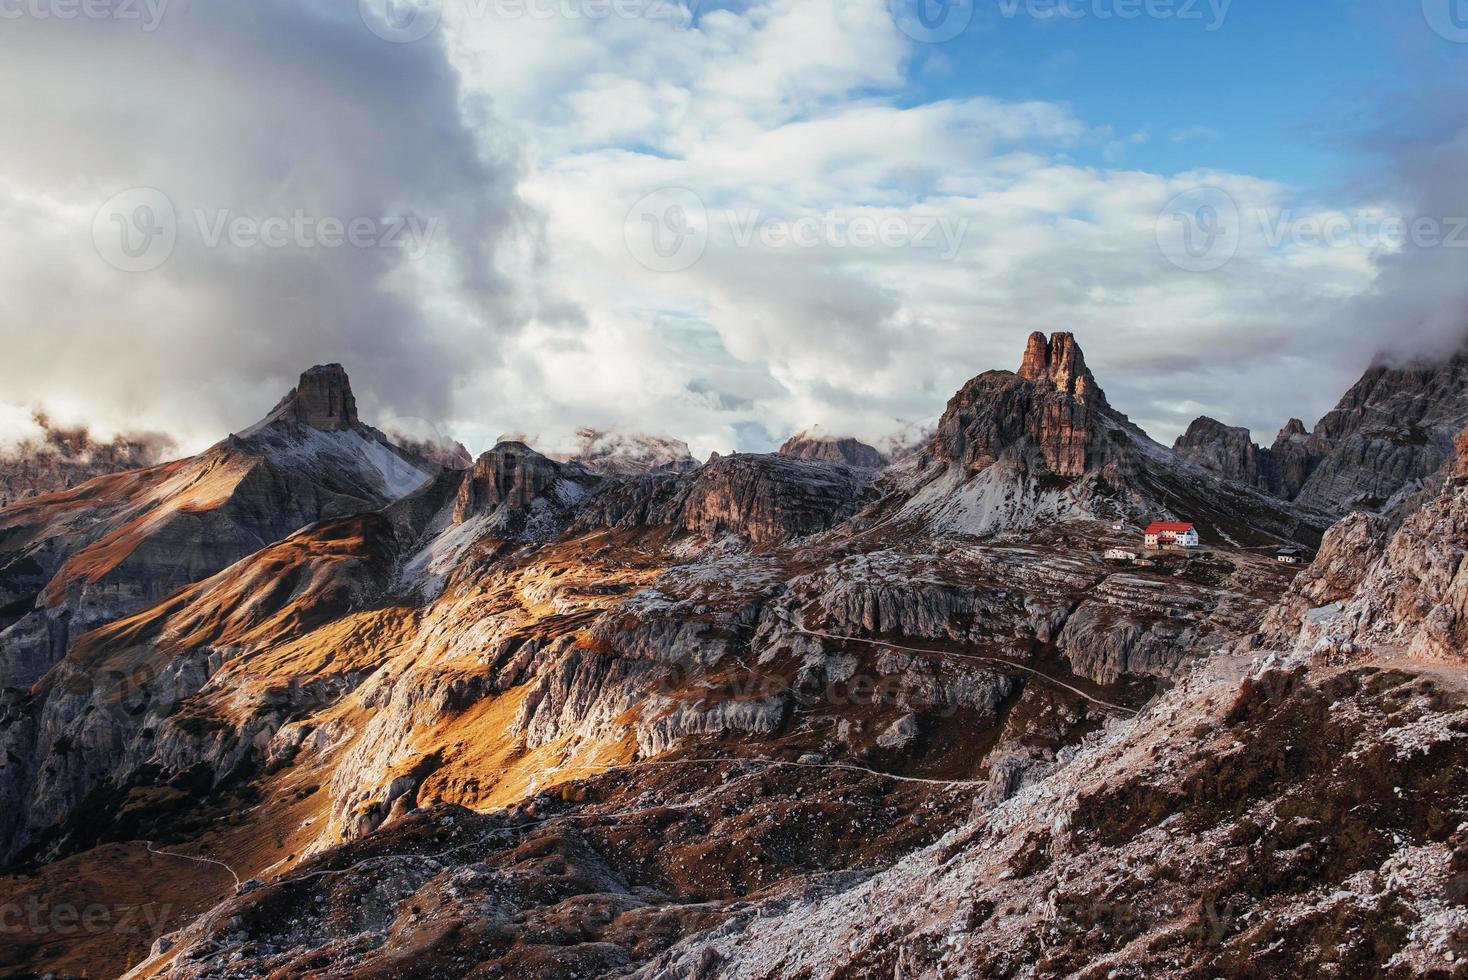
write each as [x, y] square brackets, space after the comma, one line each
[720, 221]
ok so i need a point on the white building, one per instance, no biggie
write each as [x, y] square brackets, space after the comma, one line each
[1121, 554]
[1172, 534]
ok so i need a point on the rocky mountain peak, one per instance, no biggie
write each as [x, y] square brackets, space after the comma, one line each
[1047, 416]
[1230, 452]
[509, 475]
[1059, 361]
[1293, 429]
[817, 445]
[323, 399]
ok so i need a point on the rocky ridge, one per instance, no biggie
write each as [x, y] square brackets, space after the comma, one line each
[813, 444]
[536, 718]
[1384, 441]
[62, 457]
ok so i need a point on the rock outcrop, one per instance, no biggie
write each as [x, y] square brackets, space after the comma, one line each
[1392, 431]
[322, 400]
[1375, 587]
[1051, 417]
[1231, 453]
[770, 498]
[815, 445]
[510, 475]
[617, 454]
[1017, 451]
[1383, 443]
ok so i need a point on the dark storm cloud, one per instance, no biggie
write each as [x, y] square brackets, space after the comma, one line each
[1421, 153]
[268, 109]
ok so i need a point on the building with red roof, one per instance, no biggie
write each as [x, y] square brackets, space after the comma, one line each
[1172, 534]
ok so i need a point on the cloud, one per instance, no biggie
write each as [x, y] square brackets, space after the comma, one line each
[261, 111]
[531, 138]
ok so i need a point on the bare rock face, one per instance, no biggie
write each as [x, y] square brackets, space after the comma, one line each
[770, 498]
[1047, 416]
[1372, 589]
[1346, 556]
[323, 400]
[1294, 455]
[814, 445]
[1231, 453]
[1385, 442]
[510, 475]
[1389, 434]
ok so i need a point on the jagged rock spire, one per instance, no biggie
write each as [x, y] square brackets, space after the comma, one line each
[1059, 361]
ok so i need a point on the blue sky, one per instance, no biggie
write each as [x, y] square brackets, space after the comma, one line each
[1280, 90]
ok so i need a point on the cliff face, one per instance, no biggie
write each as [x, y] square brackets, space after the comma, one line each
[511, 475]
[1231, 453]
[1374, 587]
[1048, 417]
[813, 445]
[1386, 438]
[770, 498]
[1395, 428]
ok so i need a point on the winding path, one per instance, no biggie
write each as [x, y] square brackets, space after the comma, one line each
[1129, 712]
[197, 860]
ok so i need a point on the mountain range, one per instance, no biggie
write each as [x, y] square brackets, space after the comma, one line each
[328, 703]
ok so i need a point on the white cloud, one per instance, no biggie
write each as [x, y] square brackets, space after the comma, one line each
[531, 138]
